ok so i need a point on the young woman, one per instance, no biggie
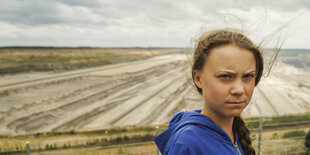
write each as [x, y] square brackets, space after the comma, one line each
[226, 68]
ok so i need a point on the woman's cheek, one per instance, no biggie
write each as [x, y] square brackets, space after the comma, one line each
[215, 91]
[250, 91]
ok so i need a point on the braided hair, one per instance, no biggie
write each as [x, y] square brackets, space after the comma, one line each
[243, 135]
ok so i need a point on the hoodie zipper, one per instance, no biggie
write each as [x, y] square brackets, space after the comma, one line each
[237, 148]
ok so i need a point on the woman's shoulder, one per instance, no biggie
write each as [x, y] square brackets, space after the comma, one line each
[192, 139]
[191, 135]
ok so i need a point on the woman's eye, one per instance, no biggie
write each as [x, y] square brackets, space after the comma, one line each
[224, 76]
[249, 76]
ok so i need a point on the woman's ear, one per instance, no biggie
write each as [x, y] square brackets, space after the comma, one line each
[197, 79]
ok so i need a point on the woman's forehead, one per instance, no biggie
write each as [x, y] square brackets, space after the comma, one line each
[232, 58]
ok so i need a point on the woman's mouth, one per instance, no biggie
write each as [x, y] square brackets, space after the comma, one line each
[236, 102]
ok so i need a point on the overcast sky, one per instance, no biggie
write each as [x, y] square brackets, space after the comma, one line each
[149, 23]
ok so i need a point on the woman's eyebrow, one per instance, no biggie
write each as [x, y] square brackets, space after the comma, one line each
[234, 72]
[250, 71]
[226, 71]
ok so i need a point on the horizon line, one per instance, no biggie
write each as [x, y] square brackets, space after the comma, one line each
[115, 47]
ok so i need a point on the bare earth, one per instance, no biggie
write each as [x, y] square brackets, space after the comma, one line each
[136, 93]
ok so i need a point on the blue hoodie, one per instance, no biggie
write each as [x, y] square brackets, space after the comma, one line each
[193, 133]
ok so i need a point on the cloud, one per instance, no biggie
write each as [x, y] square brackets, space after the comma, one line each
[139, 22]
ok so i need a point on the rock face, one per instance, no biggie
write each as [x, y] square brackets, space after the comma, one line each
[136, 93]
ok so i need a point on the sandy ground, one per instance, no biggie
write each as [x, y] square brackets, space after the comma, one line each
[136, 93]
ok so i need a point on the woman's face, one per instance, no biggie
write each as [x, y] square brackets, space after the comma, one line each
[227, 80]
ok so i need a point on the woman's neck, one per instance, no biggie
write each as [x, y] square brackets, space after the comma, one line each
[223, 122]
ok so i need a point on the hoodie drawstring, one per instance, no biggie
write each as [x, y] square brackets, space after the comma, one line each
[237, 147]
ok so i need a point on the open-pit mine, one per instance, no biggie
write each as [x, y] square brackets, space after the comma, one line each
[141, 92]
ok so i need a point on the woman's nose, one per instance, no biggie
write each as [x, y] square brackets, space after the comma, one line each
[237, 88]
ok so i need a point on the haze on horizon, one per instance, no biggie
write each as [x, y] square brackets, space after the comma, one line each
[155, 23]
